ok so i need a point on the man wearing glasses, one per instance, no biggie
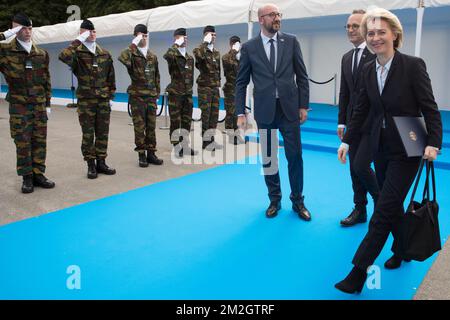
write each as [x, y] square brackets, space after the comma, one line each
[363, 177]
[281, 94]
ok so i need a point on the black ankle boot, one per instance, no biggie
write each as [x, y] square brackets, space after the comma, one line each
[102, 167]
[27, 185]
[153, 159]
[394, 262]
[92, 170]
[354, 282]
[39, 180]
[143, 160]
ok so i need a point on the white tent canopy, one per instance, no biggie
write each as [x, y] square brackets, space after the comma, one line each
[195, 14]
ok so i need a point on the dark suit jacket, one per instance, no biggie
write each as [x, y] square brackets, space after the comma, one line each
[350, 87]
[407, 92]
[290, 78]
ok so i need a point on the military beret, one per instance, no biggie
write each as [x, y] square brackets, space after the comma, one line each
[140, 28]
[88, 25]
[180, 32]
[209, 29]
[234, 39]
[23, 20]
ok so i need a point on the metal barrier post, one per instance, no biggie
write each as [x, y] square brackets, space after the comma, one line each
[335, 89]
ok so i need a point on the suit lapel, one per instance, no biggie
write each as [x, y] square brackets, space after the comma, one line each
[280, 47]
[374, 84]
[391, 70]
[348, 68]
[364, 58]
[262, 53]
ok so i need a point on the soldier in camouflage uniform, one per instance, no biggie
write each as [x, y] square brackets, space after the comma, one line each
[93, 67]
[25, 67]
[181, 70]
[142, 66]
[230, 62]
[207, 61]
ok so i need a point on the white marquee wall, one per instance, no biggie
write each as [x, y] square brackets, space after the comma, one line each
[323, 41]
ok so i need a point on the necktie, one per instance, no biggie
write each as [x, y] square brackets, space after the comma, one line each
[272, 54]
[355, 63]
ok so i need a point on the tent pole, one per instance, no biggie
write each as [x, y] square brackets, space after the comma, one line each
[420, 11]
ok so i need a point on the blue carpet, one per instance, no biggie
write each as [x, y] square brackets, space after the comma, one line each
[180, 240]
[204, 236]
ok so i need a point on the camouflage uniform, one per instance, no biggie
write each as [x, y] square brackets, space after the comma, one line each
[230, 69]
[28, 78]
[181, 71]
[208, 63]
[144, 92]
[96, 87]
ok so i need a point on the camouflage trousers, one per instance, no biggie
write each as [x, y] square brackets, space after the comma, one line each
[180, 111]
[143, 111]
[28, 127]
[94, 116]
[208, 102]
[230, 118]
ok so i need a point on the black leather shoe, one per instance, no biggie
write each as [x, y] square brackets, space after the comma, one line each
[143, 160]
[356, 216]
[102, 167]
[27, 185]
[302, 212]
[394, 262]
[92, 170]
[354, 282]
[272, 210]
[153, 159]
[39, 180]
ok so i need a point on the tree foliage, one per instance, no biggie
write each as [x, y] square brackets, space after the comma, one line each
[44, 12]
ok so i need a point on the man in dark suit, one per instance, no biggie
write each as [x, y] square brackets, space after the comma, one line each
[362, 175]
[281, 95]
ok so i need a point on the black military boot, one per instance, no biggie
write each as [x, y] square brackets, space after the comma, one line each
[92, 170]
[143, 160]
[153, 159]
[39, 180]
[102, 167]
[27, 185]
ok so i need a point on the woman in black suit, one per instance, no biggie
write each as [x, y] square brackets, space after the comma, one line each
[394, 84]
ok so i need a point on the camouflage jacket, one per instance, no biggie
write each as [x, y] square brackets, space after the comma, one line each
[181, 70]
[208, 63]
[27, 74]
[93, 82]
[230, 69]
[143, 71]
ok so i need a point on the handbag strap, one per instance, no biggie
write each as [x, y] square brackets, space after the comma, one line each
[426, 190]
[416, 183]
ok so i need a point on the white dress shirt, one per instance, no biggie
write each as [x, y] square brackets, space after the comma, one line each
[382, 73]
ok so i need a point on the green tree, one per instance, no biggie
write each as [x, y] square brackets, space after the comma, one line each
[44, 12]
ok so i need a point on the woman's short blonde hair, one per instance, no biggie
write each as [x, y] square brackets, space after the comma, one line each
[390, 18]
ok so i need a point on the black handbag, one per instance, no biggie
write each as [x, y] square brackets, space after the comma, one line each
[418, 235]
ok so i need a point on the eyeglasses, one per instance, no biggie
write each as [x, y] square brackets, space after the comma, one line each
[352, 26]
[273, 15]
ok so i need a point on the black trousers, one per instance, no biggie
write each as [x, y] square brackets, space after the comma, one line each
[290, 131]
[397, 175]
[363, 177]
